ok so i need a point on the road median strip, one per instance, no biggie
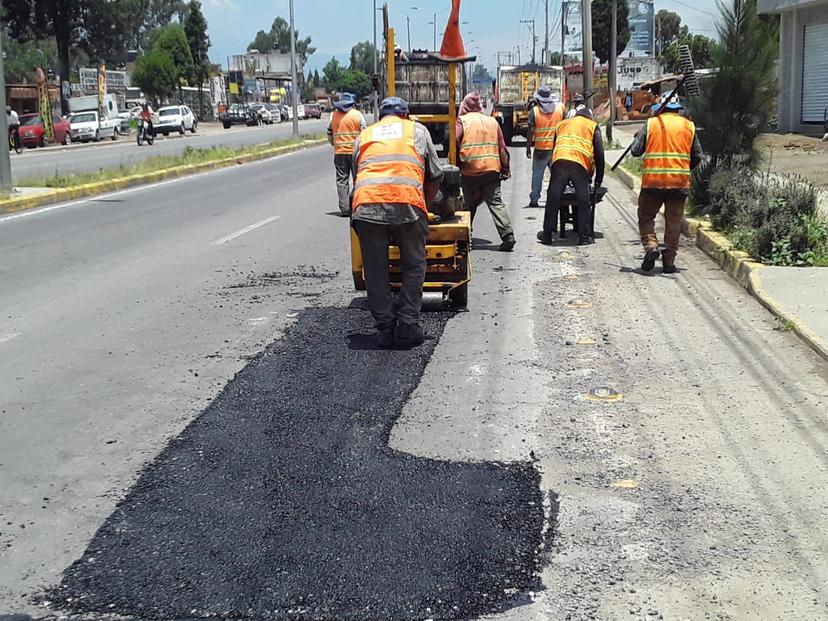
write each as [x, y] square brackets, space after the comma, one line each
[740, 266]
[73, 187]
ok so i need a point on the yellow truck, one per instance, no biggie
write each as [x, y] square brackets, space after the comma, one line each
[515, 87]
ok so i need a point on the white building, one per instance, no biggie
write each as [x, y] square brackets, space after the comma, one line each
[803, 63]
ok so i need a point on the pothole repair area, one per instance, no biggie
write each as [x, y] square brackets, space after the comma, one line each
[283, 500]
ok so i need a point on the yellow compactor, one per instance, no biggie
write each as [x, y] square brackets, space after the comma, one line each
[448, 246]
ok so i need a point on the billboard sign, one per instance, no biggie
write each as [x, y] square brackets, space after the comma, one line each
[634, 71]
[574, 27]
[642, 28]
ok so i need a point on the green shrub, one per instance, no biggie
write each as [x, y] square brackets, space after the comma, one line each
[732, 190]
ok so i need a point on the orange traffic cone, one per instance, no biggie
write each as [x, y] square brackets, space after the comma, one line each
[452, 47]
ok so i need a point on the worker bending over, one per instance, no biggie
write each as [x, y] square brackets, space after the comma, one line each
[484, 163]
[397, 173]
[543, 119]
[671, 150]
[578, 152]
[343, 130]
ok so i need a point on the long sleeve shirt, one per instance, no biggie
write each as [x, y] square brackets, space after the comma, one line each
[639, 146]
[598, 152]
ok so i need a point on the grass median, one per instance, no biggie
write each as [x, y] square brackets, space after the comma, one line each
[188, 157]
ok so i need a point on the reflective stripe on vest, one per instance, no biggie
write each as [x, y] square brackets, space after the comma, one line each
[545, 124]
[389, 169]
[345, 127]
[666, 162]
[574, 141]
[479, 149]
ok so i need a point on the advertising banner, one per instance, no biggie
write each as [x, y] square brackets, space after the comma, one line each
[574, 27]
[634, 71]
[642, 28]
[101, 89]
[44, 105]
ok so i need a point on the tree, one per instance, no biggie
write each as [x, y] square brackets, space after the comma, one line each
[668, 28]
[142, 17]
[317, 82]
[279, 39]
[737, 99]
[602, 25]
[357, 82]
[701, 50]
[362, 57]
[21, 58]
[156, 75]
[332, 75]
[195, 27]
[172, 41]
[481, 74]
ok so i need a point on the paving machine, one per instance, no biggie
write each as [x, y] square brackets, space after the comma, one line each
[448, 246]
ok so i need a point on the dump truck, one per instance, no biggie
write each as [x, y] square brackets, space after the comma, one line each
[515, 87]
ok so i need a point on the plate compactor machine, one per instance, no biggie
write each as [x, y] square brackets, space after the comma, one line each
[448, 245]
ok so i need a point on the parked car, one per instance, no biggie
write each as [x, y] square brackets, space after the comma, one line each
[312, 111]
[263, 112]
[174, 119]
[33, 135]
[239, 114]
[89, 125]
[288, 112]
[275, 112]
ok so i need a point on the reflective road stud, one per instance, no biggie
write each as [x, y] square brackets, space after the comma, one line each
[603, 393]
[578, 303]
[625, 484]
[586, 341]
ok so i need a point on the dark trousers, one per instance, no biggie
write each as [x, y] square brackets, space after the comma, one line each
[342, 165]
[486, 187]
[374, 240]
[649, 204]
[564, 171]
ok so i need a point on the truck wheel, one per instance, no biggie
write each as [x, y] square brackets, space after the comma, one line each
[181, 129]
[194, 128]
[97, 137]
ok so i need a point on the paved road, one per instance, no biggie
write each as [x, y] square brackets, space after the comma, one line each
[35, 163]
[309, 483]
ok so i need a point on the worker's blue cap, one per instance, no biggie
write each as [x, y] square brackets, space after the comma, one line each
[393, 105]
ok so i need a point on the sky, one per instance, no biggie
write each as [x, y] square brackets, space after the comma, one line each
[335, 25]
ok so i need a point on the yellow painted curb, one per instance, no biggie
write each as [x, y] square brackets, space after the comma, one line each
[58, 195]
[747, 272]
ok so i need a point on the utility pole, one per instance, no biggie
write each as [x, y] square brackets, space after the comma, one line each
[612, 71]
[435, 32]
[534, 39]
[563, 35]
[5, 154]
[586, 63]
[376, 52]
[545, 58]
[408, 30]
[294, 81]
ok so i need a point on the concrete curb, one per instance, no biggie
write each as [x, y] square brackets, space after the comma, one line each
[59, 195]
[739, 266]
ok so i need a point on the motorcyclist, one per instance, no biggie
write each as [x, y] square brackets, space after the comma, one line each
[146, 117]
[14, 124]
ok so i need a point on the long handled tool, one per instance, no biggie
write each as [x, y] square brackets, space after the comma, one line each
[690, 82]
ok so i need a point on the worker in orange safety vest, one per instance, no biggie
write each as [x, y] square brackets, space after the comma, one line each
[396, 175]
[671, 149]
[343, 130]
[543, 119]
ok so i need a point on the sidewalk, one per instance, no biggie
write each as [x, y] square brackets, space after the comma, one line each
[798, 296]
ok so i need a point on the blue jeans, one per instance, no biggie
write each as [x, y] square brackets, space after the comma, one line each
[540, 161]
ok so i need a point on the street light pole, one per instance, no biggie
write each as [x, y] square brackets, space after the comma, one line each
[408, 30]
[294, 81]
[435, 32]
[5, 155]
[376, 95]
[586, 65]
[545, 58]
[611, 69]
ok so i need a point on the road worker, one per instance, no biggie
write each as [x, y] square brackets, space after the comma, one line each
[396, 175]
[484, 163]
[543, 118]
[343, 130]
[671, 149]
[578, 151]
[578, 104]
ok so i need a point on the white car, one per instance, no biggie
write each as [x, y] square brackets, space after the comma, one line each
[86, 126]
[300, 112]
[275, 112]
[174, 119]
[264, 112]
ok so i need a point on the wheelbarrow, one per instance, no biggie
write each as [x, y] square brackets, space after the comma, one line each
[568, 212]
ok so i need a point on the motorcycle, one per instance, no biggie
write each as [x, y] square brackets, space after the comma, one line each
[145, 133]
[15, 143]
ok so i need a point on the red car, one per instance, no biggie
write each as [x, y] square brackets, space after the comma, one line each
[313, 111]
[32, 134]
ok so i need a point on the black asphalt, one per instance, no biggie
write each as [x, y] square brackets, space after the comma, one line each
[283, 500]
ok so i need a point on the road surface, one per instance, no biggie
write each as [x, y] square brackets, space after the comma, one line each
[77, 158]
[195, 422]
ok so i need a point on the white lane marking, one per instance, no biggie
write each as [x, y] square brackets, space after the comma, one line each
[5, 338]
[138, 188]
[228, 238]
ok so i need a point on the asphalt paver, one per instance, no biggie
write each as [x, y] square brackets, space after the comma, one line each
[283, 500]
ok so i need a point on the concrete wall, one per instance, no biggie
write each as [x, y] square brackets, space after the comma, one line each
[791, 34]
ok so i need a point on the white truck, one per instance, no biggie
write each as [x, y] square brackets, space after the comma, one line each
[87, 123]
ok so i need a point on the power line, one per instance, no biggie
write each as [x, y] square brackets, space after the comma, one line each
[690, 6]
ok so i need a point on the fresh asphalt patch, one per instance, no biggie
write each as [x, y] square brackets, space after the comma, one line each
[282, 500]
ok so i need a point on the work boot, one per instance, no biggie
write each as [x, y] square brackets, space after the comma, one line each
[585, 240]
[649, 259]
[409, 334]
[545, 237]
[507, 244]
[668, 268]
[385, 334]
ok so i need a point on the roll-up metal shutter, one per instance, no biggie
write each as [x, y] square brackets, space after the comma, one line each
[815, 73]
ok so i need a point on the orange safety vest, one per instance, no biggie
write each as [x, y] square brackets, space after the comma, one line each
[545, 124]
[479, 149]
[389, 168]
[574, 142]
[345, 127]
[666, 163]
